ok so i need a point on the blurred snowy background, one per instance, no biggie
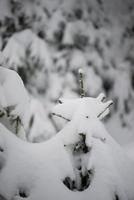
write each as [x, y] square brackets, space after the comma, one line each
[47, 41]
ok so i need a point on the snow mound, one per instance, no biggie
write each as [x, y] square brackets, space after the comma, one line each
[44, 170]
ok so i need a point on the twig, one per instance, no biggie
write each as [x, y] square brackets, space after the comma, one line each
[82, 92]
[104, 109]
[61, 117]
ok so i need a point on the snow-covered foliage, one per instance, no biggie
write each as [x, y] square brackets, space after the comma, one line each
[39, 127]
[47, 41]
[13, 92]
[21, 114]
[82, 161]
[14, 101]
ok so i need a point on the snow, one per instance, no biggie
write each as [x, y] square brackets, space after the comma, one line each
[39, 169]
[41, 128]
[109, 44]
[81, 71]
[78, 60]
[68, 107]
[93, 83]
[96, 36]
[20, 42]
[5, 11]
[13, 94]
[129, 148]
[15, 97]
[13, 91]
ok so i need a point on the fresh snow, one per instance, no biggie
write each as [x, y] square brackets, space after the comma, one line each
[13, 92]
[46, 42]
[38, 170]
[99, 41]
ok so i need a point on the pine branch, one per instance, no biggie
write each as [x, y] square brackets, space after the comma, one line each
[99, 115]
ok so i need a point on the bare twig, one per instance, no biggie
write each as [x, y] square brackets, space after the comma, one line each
[110, 103]
[61, 117]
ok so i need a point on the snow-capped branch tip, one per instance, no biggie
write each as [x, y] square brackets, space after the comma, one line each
[107, 105]
[101, 97]
[82, 92]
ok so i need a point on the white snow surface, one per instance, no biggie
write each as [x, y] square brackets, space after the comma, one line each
[41, 128]
[39, 169]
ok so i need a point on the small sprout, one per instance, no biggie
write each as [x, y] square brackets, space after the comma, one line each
[82, 92]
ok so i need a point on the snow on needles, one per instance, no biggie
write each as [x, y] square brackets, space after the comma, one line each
[13, 94]
[37, 171]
